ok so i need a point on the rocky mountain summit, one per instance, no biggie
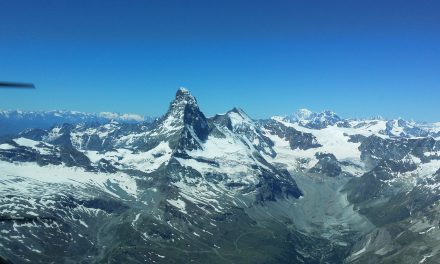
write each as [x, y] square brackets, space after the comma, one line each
[306, 188]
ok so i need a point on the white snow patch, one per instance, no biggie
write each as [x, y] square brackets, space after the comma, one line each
[179, 204]
[68, 176]
[6, 146]
[144, 161]
[33, 144]
[83, 223]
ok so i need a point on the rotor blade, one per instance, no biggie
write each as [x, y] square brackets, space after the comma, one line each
[16, 85]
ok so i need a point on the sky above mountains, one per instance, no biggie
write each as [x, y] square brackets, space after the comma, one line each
[357, 58]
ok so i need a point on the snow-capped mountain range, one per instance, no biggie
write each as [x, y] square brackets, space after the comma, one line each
[14, 121]
[306, 188]
[393, 127]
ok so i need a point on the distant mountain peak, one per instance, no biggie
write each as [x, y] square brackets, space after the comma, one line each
[327, 114]
[311, 119]
[303, 114]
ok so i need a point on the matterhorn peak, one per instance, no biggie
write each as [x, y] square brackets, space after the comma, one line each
[185, 97]
[184, 101]
[185, 119]
[183, 90]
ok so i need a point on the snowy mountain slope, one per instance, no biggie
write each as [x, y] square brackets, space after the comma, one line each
[393, 127]
[314, 188]
[396, 168]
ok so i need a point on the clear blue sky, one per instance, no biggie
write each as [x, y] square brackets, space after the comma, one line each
[357, 58]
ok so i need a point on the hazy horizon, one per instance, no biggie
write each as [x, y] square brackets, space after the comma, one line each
[146, 115]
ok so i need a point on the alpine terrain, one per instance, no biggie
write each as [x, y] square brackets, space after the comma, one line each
[186, 188]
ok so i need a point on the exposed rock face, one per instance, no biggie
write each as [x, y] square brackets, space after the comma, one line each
[297, 139]
[327, 165]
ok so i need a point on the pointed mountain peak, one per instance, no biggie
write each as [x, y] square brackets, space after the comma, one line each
[238, 111]
[238, 117]
[183, 90]
[185, 120]
[183, 96]
[183, 102]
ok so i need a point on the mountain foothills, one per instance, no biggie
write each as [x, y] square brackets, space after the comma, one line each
[184, 188]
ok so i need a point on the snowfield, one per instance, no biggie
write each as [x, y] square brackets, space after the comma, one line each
[18, 178]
